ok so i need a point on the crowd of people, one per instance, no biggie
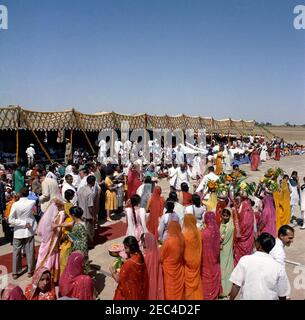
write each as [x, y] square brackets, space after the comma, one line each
[205, 240]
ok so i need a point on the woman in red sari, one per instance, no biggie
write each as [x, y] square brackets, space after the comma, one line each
[12, 292]
[133, 181]
[73, 282]
[244, 240]
[172, 253]
[154, 268]
[42, 286]
[210, 266]
[255, 159]
[155, 208]
[133, 278]
[277, 153]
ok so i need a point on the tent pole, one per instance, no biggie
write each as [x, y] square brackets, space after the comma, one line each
[41, 146]
[87, 138]
[71, 138]
[17, 145]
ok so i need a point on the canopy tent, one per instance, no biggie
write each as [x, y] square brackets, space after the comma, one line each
[15, 117]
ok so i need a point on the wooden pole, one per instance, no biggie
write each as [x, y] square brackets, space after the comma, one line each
[41, 146]
[71, 138]
[112, 143]
[17, 146]
[87, 138]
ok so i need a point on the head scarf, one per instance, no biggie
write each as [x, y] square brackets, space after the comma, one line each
[36, 278]
[73, 282]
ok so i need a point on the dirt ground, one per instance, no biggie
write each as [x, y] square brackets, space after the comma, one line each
[289, 134]
[100, 257]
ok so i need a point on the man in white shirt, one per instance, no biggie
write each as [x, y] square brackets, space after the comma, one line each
[68, 185]
[24, 223]
[285, 239]
[83, 174]
[30, 151]
[211, 176]
[172, 175]
[259, 276]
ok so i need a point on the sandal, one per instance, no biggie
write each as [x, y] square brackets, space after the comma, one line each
[15, 276]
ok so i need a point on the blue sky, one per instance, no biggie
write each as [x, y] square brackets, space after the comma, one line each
[224, 58]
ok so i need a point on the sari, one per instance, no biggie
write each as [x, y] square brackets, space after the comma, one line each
[172, 253]
[211, 203]
[186, 199]
[48, 254]
[268, 216]
[31, 291]
[73, 282]
[133, 183]
[133, 280]
[226, 255]
[210, 266]
[154, 268]
[255, 160]
[12, 292]
[277, 153]
[155, 208]
[192, 259]
[218, 169]
[283, 209]
[244, 240]
[221, 204]
[66, 246]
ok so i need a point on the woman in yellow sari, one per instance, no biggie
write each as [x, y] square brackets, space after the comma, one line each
[219, 158]
[282, 203]
[66, 245]
[211, 203]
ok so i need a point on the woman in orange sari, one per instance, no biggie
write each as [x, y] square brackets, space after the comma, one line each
[133, 278]
[172, 253]
[155, 208]
[192, 259]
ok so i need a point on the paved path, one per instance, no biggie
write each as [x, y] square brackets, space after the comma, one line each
[114, 233]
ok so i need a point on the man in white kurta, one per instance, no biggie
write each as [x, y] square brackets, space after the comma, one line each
[103, 149]
[30, 151]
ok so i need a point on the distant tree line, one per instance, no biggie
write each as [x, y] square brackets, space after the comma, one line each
[269, 124]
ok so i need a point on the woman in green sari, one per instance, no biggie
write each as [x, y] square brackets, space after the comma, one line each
[78, 234]
[226, 250]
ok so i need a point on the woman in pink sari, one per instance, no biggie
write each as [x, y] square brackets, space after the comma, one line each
[244, 240]
[268, 216]
[255, 160]
[12, 292]
[133, 181]
[210, 266]
[154, 267]
[48, 254]
[73, 282]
